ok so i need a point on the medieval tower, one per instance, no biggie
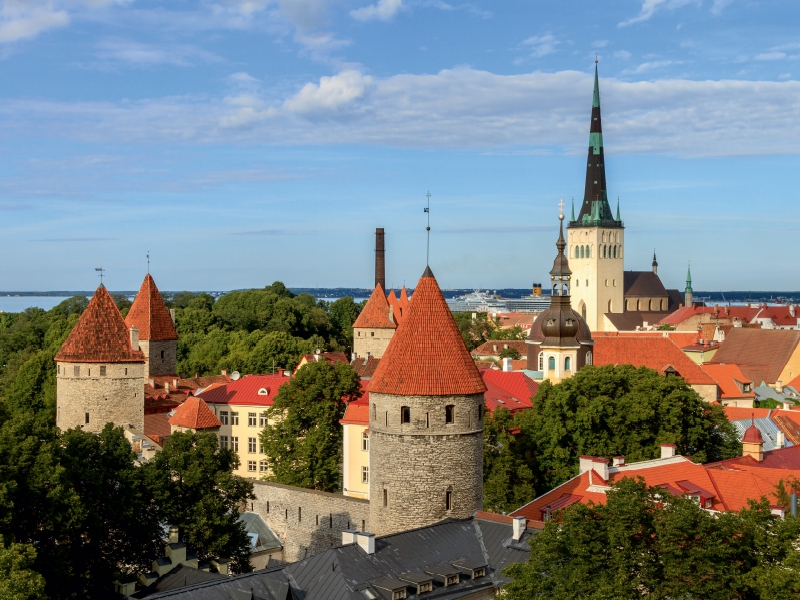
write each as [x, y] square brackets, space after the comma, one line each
[377, 322]
[560, 342]
[99, 370]
[596, 238]
[425, 421]
[158, 339]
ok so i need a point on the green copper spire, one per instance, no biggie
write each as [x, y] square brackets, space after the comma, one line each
[573, 210]
[596, 97]
[689, 280]
[618, 219]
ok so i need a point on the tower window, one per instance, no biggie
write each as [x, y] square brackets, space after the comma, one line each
[615, 252]
[405, 414]
[582, 251]
[372, 333]
[386, 419]
[606, 282]
[577, 252]
[567, 364]
[102, 370]
[162, 356]
[551, 363]
[427, 420]
[126, 370]
[374, 411]
[588, 252]
[589, 357]
[76, 371]
[448, 500]
[480, 412]
[86, 418]
[385, 497]
[541, 361]
[449, 413]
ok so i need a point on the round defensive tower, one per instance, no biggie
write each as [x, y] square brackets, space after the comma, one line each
[99, 370]
[426, 421]
[158, 339]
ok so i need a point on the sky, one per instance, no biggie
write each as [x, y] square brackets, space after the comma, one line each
[241, 142]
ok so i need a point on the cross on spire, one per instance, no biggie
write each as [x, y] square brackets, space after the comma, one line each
[428, 229]
[561, 206]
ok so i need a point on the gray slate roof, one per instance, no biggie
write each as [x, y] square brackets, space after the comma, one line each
[769, 431]
[345, 572]
[264, 538]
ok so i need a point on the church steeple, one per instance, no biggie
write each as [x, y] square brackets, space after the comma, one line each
[688, 292]
[595, 209]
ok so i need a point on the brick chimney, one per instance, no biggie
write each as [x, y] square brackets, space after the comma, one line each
[380, 259]
[134, 333]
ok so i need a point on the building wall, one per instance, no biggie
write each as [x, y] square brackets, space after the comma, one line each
[577, 357]
[374, 341]
[308, 521]
[706, 392]
[353, 460]
[154, 363]
[116, 397]
[596, 281]
[417, 463]
[252, 465]
[791, 369]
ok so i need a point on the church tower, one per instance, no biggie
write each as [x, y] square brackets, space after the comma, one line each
[688, 292]
[158, 338]
[425, 421]
[596, 238]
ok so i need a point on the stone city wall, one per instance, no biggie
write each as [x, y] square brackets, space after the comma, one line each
[154, 364]
[307, 521]
[372, 341]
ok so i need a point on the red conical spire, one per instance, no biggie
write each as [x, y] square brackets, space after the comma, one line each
[150, 315]
[375, 314]
[427, 355]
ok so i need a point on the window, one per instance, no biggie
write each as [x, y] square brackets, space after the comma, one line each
[76, 370]
[399, 594]
[251, 445]
[299, 514]
[263, 392]
[577, 252]
[365, 442]
[262, 466]
[102, 370]
[551, 363]
[614, 283]
[541, 361]
[234, 418]
[235, 443]
[589, 358]
[385, 497]
[251, 466]
[568, 364]
[386, 419]
[223, 441]
[582, 252]
[260, 447]
[615, 252]
[480, 412]
[58, 369]
[448, 500]
[374, 412]
[86, 418]
[604, 252]
[449, 413]
[262, 420]
[162, 356]
[405, 414]
[588, 252]
[364, 474]
[606, 282]
[251, 419]
[427, 420]
[451, 580]
[223, 417]
[372, 333]
[126, 371]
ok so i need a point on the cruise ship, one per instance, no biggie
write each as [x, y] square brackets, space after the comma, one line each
[483, 301]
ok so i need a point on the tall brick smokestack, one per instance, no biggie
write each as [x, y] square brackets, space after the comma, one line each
[380, 259]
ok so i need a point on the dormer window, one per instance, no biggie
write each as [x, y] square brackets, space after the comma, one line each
[263, 392]
[451, 580]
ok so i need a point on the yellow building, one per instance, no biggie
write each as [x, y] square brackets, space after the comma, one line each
[355, 459]
[240, 407]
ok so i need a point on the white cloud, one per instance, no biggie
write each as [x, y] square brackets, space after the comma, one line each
[774, 55]
[382, 10]
[719, 5]
[145, 55]
[623, 54]
[21, 19]
[458, 108]
[649, 8]
[540, 45]
[650, 66]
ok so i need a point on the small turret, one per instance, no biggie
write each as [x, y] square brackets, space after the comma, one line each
[688, 293]
[655, 263]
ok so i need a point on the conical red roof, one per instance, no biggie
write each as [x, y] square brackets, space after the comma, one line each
[194, 414]
[149, 314]
[376, 312]
[100, 335]
[427, 355]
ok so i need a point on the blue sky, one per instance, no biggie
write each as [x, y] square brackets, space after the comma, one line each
[246, 141]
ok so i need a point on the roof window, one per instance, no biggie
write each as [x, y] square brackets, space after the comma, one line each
[263, 392]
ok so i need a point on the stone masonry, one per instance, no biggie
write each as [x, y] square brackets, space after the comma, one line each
[307, 521]
[160, 357]
[371, 341]
[114, 396]
[414, 465]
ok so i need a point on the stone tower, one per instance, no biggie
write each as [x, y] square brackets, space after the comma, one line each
[688, 293]
[158, 339]
[426, 421]
[374, 327]
[596, 238]
[560, 342]
[99, 370]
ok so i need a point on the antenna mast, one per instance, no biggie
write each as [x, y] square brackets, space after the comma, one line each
[428, 229]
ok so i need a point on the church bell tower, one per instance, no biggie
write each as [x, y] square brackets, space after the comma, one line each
[596, 237]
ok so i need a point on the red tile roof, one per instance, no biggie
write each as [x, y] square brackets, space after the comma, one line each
[513, 390]
[770, 348]
[195, 414]
[657, 353]
[253, 390]
[779, 458]
[427, 355]
[329, 357]
[375, 314]
[365, 367]
[357, 412]
[726, 377]
[156, 427]
[495, 347]
[735, 413]
[743, 313]
[149, 314]
[100, 335]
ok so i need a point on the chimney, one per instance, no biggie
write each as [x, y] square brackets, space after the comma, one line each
[223, 372]
[349, 536]
[175, 383]
[134, 333]
[779, 386]
[519, 524]
[391, 314]
[366, 541]
[172, 315]
[173, 535]
[585, 464]
[619, 461]
[791, 309]
[667, 451]
[152, 383]
[781, 441]
[507, 366]
[166, 386]
[380, 259]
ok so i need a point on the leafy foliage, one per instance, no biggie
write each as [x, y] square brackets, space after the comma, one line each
[646, 543]
[18, 580]
[508, 481]
[303, 441]
[512, 353]
[477, 329]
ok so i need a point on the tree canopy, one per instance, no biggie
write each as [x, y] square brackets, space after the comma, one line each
[645, 543]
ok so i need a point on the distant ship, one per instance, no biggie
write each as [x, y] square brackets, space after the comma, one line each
[483, 301]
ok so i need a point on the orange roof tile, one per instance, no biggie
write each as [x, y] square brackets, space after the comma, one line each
[357, 412]
[771, 348]
[149, 314]
[427, 355]
[375, 314]
[726, 376]
[653, 352]
[195, 414]
[100, 335]
[735, 413]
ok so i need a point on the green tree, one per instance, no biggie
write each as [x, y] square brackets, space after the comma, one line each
[507, 478]
[122, 302]
[303, 443]
[194, 489]
[512, 353]
[645, 543]
[18, 580]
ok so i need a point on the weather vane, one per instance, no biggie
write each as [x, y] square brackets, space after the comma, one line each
[428, 229]
[148, 262]
[101, 270]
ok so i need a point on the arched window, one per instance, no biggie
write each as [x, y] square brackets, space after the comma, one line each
[581, 251]
[551, 363]
[615, 252]
[583, 311]
[577, 251]
[604, 251]
[609, 306]
[541, 361]
[588, 252]
[589, 357]
[568, 364]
